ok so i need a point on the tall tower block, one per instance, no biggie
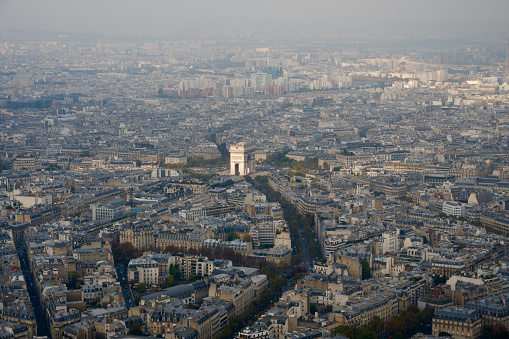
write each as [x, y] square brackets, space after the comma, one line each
[242, 158]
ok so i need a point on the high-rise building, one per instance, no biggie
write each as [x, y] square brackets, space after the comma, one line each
[260, 80]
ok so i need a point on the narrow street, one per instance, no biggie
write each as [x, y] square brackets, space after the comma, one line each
[126, 288]
[40, 315]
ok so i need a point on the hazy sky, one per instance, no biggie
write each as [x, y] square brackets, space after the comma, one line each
[259, 16]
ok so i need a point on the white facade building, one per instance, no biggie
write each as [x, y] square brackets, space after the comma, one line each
[143, 270]
[390, 241]
[108, 212]
[175, 159]
[260, 80]
[453, 208]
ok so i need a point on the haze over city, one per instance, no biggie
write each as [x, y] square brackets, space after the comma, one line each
[377, 18]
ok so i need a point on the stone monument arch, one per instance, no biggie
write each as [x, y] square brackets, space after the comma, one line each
[242, 158]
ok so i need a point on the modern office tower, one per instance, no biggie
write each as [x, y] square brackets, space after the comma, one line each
[260, 80]
[274, 71]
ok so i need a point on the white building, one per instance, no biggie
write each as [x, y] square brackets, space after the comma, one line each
[453, 208]
[29, 200]
[166, 173]
[390, 241]
[260, 80]
[175, 159]
[192, 214]
[143, 270]
[108, 211]
[192, 265]
[263, 234]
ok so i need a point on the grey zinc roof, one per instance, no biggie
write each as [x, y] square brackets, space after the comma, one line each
[172, 292]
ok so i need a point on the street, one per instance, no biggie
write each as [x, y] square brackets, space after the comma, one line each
[305, 253]
[126, 288]
[40, 315]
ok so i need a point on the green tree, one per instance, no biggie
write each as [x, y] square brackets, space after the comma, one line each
[233, 236]
[248, 238]
[296, 260]
[413, 308]
[437, 280]
[193, 277]
[98, 305]
[367, 333]
[394, 326]
[141, 288]
[411, 322]
[500, 331]
[277, 283]
[426, 315]
[376, 324]
[136, 330]
[347, 331]
[73, 281]
[175, 272]
[269, 273]
[366, 270]
[53, 167]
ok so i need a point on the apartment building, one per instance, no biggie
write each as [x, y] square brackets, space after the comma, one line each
[241, 296]
[143, 270]
[141, 236]
[109, 211]
[459, 322]
[494, 310]
[192, 265]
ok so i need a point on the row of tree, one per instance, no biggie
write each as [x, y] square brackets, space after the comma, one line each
[405, 325]
[297, 167]
[367, 332]
[277, 282]
[291, 214]
[237, 258]
[410, 322]
[497, 331]
[124, 252]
